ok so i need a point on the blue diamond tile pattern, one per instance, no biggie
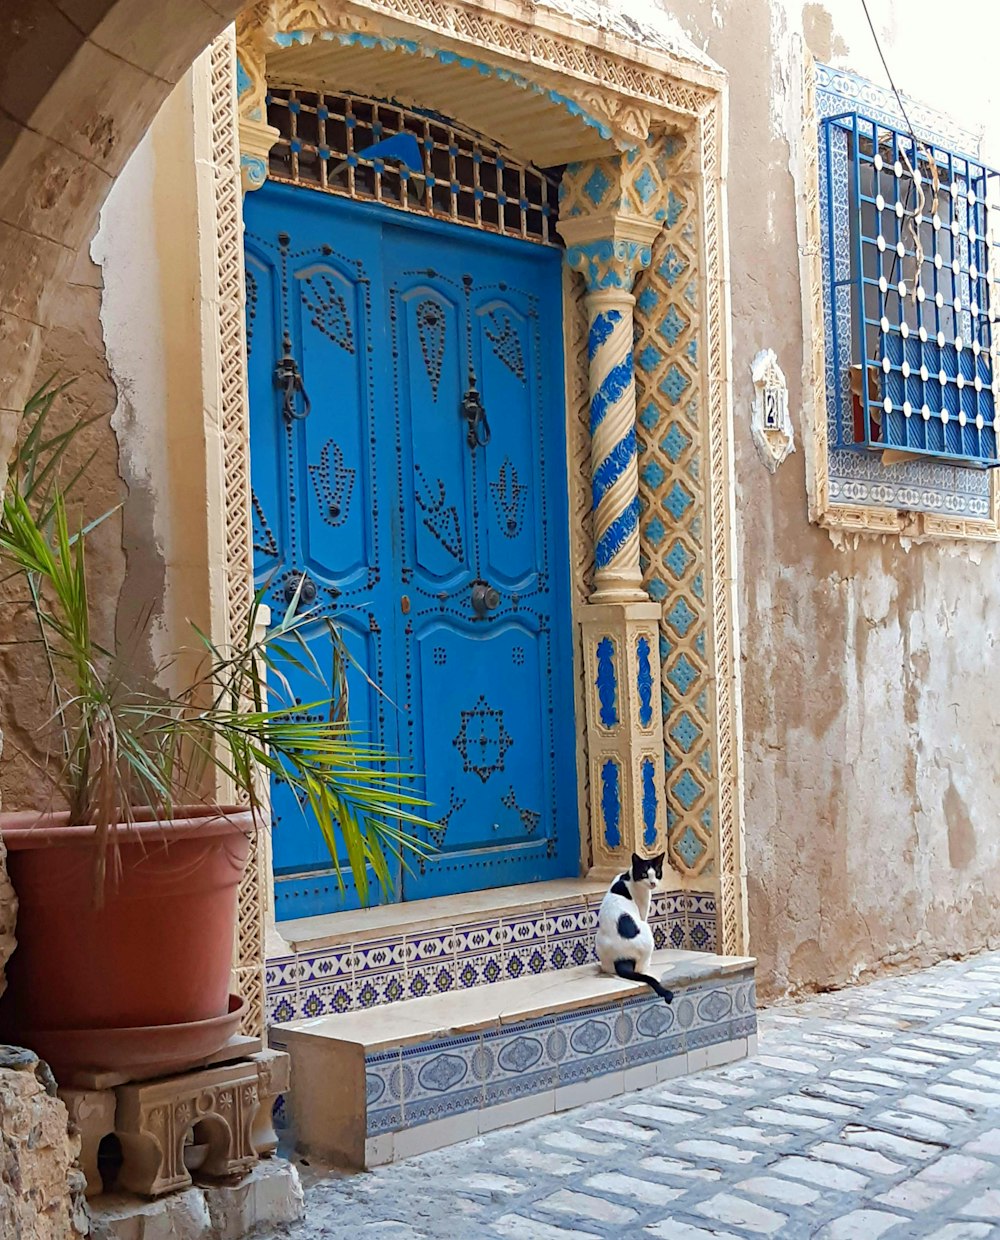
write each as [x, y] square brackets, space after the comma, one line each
[683, 674]
[649, 416]
[673, 383]
[680, 617]
[672, 267]
[685, 732]
[690, 847]
[677, 501]
[653, 474]
[597, 186]
[656, 531]
[675, 206]
[672, 324]
[645, 185]
[648, 300]
[656, 589]
[650, 358]
[674, 442]
[677, 559]
[687, 790]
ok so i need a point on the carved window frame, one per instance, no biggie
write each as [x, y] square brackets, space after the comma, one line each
[825, 507]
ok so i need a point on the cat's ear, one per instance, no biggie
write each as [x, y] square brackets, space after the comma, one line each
[637, 863]
[657, 862]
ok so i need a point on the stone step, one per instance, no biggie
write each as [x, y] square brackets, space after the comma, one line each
[376, 1086]
[353, 961]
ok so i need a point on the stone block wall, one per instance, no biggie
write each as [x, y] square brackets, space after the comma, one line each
[41, 1189]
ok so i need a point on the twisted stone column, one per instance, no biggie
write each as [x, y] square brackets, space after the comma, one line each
[609, 265]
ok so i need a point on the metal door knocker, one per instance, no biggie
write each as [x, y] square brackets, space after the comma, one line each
[289, 381]
[485, 598]
[474, 413]
[307, 593]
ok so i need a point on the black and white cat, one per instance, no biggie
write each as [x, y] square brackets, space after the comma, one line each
[624, 940]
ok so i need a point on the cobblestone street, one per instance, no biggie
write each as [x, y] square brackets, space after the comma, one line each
[870, 1112]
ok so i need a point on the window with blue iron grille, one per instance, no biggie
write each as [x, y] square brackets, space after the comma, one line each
[917, 289]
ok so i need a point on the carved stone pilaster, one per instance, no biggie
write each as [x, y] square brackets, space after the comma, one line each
[625, 733]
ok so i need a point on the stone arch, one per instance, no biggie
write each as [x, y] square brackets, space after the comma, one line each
[79, 85]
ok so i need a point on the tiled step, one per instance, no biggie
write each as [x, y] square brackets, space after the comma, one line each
[376, 1086]
[346, 962]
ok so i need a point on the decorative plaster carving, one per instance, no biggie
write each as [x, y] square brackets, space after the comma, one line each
[770, 423]
[234, 418]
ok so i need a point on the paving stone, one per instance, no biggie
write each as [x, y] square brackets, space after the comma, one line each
[621, 1128]
[870, 1162]
[915, 1195]
[827, 1175]
[816, 1106]
[947, 1112]
[795, 1066]
[890, 1064]
[584, 1206]
[716, 1151]
[963, 1231]
[867, 1223]
[863, 1077]
[672, 1166]
[961, 1093]
[631, 1186]
[741, 1132]
[484, 1182]
[726, 1208]
[673, 1229]
[790, 1192]
[546, 1162]
[662, 1115]
[986, 1206]
[786, 1119]
[579, 1144]
[986, 1143]
[875, 1139]
[516, 1227]
[913, 1125]
[956, 1169]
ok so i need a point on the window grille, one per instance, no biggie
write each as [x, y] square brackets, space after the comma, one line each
[920, 276]
[407, 159]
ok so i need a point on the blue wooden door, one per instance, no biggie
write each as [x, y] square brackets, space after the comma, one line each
[435, 537]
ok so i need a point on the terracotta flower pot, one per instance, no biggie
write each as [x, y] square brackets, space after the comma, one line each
[159, 951]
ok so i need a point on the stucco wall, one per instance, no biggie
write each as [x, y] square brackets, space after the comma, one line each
[870, 719]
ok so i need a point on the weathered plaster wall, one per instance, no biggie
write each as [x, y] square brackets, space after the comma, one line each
[869, 716]
[72, 354]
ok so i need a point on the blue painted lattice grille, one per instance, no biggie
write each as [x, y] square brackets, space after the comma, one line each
[414, 161]
[922, 290]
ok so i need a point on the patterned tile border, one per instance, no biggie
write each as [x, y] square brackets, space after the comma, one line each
[364, 974]
[429, 1081]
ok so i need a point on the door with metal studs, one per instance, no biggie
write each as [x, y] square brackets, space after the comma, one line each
[408, 468]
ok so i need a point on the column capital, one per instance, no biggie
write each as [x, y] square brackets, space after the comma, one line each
[609, 251]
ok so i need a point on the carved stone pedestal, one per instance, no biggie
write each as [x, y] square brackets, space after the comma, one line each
[215, 1121]
[625, 733]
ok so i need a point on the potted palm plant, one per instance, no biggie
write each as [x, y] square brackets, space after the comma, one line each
[126, 870]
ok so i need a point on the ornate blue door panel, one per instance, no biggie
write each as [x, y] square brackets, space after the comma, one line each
[315, 457]
[477, 348]
[416, 478]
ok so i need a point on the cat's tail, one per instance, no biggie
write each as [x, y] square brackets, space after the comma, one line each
[626, 969]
